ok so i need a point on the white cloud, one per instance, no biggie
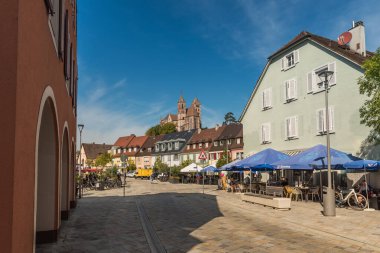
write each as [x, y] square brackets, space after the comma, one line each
[211, 117]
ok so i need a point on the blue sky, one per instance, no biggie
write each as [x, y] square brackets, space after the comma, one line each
[136, 58]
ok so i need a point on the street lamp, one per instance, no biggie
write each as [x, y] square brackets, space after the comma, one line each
[328, 200]
[80, 127]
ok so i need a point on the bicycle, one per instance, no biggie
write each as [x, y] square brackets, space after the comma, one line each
[354, 200]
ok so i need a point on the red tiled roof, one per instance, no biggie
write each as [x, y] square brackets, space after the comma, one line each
[124, 141]
[137, 142]
[331, 44]
[205, 135]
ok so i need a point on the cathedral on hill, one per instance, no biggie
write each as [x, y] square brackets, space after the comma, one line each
[186, 118]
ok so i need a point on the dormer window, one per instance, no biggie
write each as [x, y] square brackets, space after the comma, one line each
[135, 149]
[221, 143]
[163, 146]
[206, 144]
[176, 145]
[130, 150]
[290, 60]
[238, 140]
[157, 147]
[200, 145]
[188, 147]
[149, 149]
[215, 143]
[170, 146]
[194, 146]
[119, 151]
[229, 142]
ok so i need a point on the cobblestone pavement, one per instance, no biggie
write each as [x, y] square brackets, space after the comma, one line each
[163, 217]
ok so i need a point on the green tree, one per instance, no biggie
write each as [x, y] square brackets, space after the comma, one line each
[186, 163]
[229, 118]
[223, 160]
[160, 167]
[103, 159]
[168, 128]
[369, 84]
[164, 129]
[131, 165]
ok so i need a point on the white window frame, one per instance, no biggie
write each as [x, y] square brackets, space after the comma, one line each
[215, 143]
[229, 141]
[194, 146]
[267, 99]
[284, 60]
[265, 133]
[176, 145]
[170, 146]
[188, 147]
[313, 81]
[206, 144]
[129, 149]
[321, 126]
[157, 148]
[163, 146]
[149, 149]
[200, 145]
[221, 143]
[291, 128]
[290, 90]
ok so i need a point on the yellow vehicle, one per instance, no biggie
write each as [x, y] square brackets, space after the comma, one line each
[143, 173]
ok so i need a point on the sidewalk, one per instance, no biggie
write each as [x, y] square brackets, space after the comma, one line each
[179, 218]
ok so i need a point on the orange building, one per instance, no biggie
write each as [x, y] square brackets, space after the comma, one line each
[38, 86]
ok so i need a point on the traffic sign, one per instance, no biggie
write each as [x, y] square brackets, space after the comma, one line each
[202, 156]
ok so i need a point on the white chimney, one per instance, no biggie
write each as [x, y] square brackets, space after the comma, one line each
[217, 127]
[357, 42]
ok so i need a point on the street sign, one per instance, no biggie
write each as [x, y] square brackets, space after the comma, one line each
[202, 156]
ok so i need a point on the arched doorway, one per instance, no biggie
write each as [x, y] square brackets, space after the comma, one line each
[65, 176]
[72, 183]
[47, 175]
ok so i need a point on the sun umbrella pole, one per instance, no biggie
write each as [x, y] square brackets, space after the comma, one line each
[250, 180]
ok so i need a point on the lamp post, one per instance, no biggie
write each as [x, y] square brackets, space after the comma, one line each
[329, 200]
[80, 127]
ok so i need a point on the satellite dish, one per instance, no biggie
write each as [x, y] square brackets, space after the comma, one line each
[344, 38]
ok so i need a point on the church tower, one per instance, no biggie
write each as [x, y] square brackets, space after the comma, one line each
[181, 106]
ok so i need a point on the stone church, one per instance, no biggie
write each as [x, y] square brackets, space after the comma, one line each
[186, 118]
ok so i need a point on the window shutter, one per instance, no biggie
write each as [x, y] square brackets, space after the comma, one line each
[262, 133]
[286, 90]
[264, 105]
[332, 67]
[66, 46]
[292, 88]
[282, 63]
[309, 82]
[331, 118]
[296, 56]
[269, 97]
[61, 29]
[268, 137]
[287, 123]
[321, 120]
[295, 126]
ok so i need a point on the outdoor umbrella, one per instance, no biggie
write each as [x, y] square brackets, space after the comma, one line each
[205, 170]
[314, 157]
[191, 168]
[228, 165]
[365, 165]
[260, 161]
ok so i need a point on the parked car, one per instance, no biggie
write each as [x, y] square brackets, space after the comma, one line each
[131, 174]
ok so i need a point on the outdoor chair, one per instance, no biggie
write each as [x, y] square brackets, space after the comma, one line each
[262, 189]
[314, 192]
[297, 193]
[287, 191]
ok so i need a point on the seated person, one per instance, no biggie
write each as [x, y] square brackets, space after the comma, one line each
[284, 181]
[363, 188]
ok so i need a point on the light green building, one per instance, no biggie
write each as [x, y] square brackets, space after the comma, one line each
[286, 108]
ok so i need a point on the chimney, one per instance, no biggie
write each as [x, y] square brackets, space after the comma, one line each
[216, 127]
[199, 130]
[357, 42]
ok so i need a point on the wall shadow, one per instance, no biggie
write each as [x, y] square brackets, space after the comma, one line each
[113, 224]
